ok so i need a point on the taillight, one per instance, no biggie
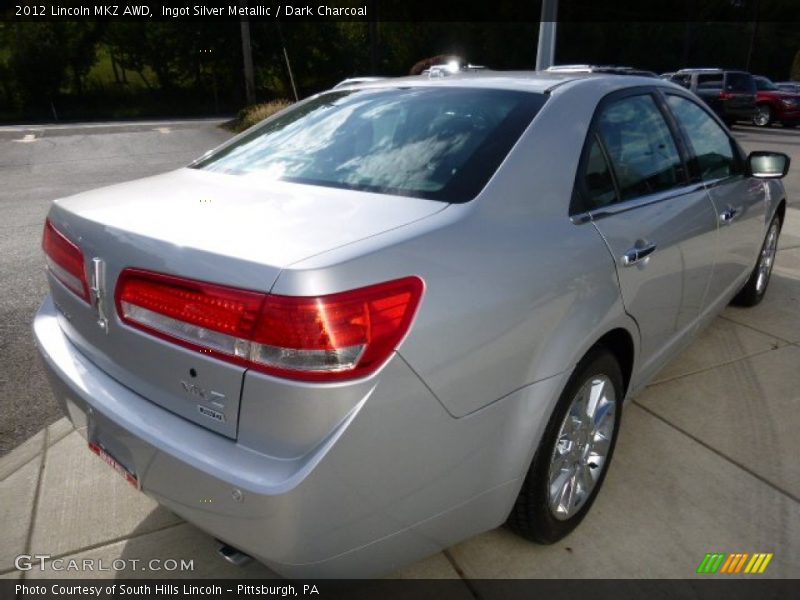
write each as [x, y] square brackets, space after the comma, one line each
[324, 338]
[723, 95]
[65, 260]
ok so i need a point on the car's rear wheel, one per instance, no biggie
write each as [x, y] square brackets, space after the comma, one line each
[753, 291]
[763, 115]
[573, 456]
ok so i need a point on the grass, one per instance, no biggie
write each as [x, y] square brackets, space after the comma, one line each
[101, 75]
[256, 113]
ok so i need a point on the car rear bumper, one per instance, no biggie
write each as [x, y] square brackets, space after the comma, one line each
[397, 480]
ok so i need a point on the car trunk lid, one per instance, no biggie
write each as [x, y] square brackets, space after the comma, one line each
[225, 229]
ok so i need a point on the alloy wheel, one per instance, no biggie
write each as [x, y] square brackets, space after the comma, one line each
[762, 116]
[582, 447]
[767, 258]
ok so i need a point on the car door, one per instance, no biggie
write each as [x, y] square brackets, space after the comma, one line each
[739, 201]
[659, 227]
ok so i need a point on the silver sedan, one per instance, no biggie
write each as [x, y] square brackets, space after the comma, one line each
[399, 314]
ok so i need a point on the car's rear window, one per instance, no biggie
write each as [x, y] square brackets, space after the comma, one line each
[437, 143]
[739, 82]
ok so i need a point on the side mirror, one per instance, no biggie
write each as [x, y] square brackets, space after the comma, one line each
[768, 165]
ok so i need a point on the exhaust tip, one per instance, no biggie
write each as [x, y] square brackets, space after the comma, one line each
[233, 556]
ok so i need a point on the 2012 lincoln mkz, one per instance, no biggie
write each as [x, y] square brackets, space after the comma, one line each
[401, 313]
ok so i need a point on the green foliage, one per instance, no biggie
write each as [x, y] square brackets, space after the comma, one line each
[184, 67]
[44, 55]
[80, 48]
[179, 54]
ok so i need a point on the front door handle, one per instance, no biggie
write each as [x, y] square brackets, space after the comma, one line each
[728, 215]
[635, 255]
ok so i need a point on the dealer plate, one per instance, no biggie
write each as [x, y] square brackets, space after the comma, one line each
[126, 473]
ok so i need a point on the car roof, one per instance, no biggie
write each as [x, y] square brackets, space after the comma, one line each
[354, 80]
[528, 81]
[712, 71]
[700, 70]
[613, 69]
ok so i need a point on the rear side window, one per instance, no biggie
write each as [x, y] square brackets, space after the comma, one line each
[709, 81]
[684, 80]
[739, 82]
[640, 146]
[429, 142]
[598, 181]
[714, 156]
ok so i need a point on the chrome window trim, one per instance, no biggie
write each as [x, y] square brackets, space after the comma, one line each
[713, 183]
[634, 203]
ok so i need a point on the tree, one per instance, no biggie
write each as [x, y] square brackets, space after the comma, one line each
[7, 82]
[38, 61]
[79, 40]
[43, 53]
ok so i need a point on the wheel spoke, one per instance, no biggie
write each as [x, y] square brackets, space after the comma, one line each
[603, 415]
[578, 408]
[573, 488]
[588, 476]
[596, 395]
[559, 491]
[601, 444]
[559, 463]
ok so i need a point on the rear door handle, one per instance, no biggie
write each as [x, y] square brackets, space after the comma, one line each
[728, 215]
[635, 255]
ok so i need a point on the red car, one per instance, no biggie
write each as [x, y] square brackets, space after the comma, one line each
[775, 105]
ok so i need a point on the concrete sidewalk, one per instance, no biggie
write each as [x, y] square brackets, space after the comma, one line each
[707, 461]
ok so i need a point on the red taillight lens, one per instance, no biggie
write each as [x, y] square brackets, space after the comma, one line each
[323, 338]
[723, 95]
[65, 260]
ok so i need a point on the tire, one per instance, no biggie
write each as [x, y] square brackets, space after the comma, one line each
[763, 116]
[533, 516]
[790, 125]
[756, 286]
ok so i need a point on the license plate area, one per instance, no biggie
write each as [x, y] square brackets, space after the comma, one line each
[121, 469]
